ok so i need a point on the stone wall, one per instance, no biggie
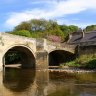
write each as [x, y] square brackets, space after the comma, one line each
[36, 46]
[87, 50]
[40, 48]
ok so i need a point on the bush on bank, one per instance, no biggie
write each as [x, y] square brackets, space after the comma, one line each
[84, 61]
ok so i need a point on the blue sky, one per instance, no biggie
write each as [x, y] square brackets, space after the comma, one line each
[69, 12]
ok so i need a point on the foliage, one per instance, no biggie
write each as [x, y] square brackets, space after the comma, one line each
[22, 33]
[84, 61]
[37, 34]
[42, 28]
[38, 28]
[73, 28]
[68, 29]
[90, 28]
[72, 63]
[23, 26]
[91, 64]
[38, 25]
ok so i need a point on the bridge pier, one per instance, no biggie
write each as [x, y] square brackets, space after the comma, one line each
[41, 60]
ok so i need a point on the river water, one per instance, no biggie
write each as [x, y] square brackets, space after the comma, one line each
[28, 82]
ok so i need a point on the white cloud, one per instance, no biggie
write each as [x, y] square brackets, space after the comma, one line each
[57, 9]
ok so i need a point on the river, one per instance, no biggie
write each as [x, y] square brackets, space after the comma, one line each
[28, 82]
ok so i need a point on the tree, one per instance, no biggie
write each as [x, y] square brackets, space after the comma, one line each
[54, 29]
[65, 29]
[73, 28]
[38, 25]
[68, 29]
[25, 33]
[38, 28]
[90, 28]
[23, 26]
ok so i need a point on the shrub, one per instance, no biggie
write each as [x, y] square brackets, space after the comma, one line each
[91, 64]
[84, 61]
[22, 33]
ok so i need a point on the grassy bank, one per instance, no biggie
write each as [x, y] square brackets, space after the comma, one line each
[84, 61]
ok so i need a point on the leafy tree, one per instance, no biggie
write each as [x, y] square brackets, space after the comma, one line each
[38, 28]
[90, 28]
[38, 25]
[23, 26]
[65, 29]
[55, 29]
[22, 33]
[68, 29]
[73, 28]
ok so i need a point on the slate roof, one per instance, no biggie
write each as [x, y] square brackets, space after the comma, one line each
[90, 36]
[78, 37]
[75, 39]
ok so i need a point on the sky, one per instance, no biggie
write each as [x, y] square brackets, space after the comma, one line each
[69, 12]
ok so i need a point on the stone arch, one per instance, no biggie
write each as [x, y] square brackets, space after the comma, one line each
[57, 57]
[63, 49]
[28, 55]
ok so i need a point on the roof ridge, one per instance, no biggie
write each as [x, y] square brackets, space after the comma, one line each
[94, 31]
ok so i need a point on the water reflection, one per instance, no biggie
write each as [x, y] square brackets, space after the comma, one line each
[17, 79]
[27, 82]
[73, 84]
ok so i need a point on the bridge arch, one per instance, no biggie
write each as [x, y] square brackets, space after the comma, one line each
[26, 56]
[57, 57]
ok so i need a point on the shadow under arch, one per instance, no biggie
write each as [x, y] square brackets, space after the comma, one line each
[56, 57]
[26, 57]
[18, 80]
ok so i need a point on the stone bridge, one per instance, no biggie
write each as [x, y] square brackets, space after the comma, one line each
[35, 52]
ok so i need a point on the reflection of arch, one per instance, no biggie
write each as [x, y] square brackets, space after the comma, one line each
[56, 57]
[28, 56]
[18, 80]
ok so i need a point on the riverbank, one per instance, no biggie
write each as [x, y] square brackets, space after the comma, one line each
[74, 70]
[86, 62]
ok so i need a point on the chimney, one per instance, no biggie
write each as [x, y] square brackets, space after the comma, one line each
[70, 36]
[83, 34]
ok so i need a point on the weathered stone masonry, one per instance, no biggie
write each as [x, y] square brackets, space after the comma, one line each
[36, 50]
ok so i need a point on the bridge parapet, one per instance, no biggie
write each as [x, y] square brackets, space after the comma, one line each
[17, 37]
[7, 40]
[39, 44]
